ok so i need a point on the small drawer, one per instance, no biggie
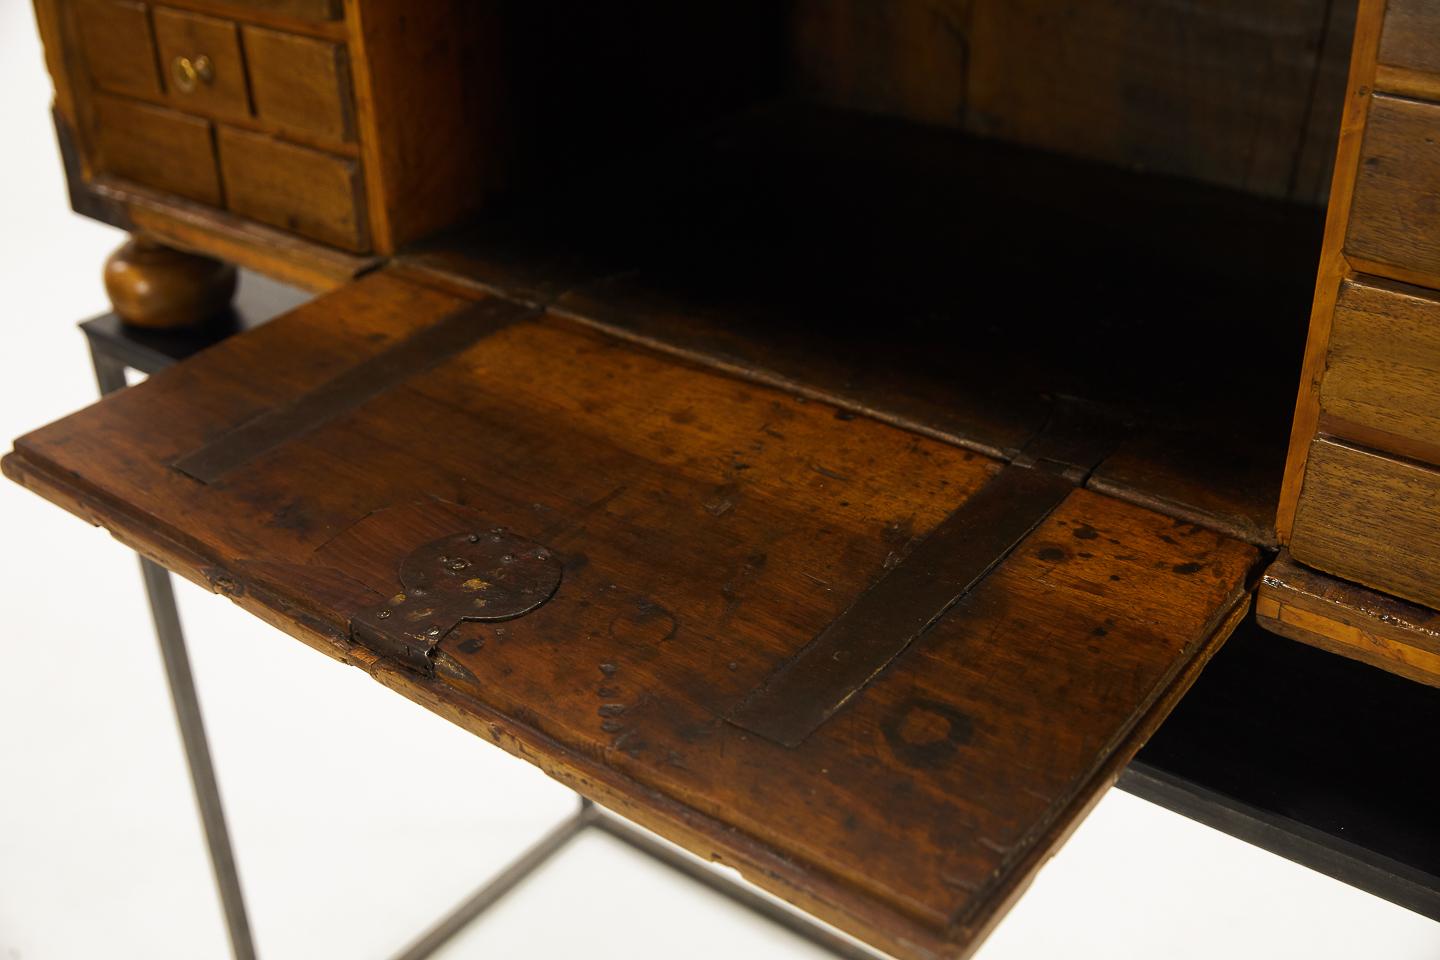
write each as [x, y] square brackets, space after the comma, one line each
[157, 147]
[309, 192]
[1395, 216]
[299, 83]
[1371, 519]
[204, 69]
[118, 46]
[1381, 386]
[1411, 35]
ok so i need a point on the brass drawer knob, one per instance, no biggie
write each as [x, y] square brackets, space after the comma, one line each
[189, 74]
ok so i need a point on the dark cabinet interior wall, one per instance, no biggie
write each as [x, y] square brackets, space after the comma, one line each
[1241, 93]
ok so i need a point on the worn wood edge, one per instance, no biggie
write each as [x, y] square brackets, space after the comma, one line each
[201, 229]
[50, 22]
[1350, 620]
[1391, 271]
[176, 553]
[367, 130]
[811, 888]
[1334, 268]
[1015, 878]
[1384, 441]
[421, 268]
[1407, 83]
[84, 198]
[828, 899]
[1255, 534]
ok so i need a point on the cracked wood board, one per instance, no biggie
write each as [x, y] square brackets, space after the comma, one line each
[708, 529]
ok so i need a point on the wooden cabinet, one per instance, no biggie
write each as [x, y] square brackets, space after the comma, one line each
[201, 78]
[1360, 495]
[883, 405]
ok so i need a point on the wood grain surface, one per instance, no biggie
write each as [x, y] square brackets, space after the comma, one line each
[157, 147]
[1411, 36]
[1372, 519]
[709, 528]
[299, 83]
[1394, 218]
[1233, 92]
[311, 193]
[118, 46]
[1382, 378]
[1344, 618]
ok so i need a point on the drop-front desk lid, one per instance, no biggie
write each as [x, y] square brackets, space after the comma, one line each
[880, 674]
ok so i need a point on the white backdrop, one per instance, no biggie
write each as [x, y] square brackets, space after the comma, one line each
[322, 770]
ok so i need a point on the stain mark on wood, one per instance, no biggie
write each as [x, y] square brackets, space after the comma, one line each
[926, 733]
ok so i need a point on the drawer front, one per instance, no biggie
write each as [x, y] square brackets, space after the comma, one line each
[299, 83]
[1382, 376]
[204, 69]
[1411, 36]
[1372, 519]
[1395, 217]
[157, 147]
[118, 46]
[294, 188]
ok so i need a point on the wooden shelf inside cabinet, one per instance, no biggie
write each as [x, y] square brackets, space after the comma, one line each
[1351, 620]
[656, 545]
[942, 282]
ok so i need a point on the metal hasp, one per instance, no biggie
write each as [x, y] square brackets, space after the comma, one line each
[487, 576]
[909, 598]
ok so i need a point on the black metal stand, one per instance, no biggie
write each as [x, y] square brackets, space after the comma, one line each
[1320, 759]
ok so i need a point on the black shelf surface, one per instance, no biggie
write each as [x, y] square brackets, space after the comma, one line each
[1323, 760]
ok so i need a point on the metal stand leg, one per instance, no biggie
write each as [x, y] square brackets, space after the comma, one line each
[197, 755]
[590, 816]
[508, 879]
[111, 377]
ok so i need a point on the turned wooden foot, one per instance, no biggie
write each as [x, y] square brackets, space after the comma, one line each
[152, 285]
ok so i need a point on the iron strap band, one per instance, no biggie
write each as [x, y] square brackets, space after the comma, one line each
[349, 390]
[805, 691]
